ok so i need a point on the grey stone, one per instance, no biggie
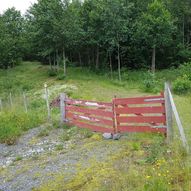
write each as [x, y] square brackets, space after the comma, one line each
[116, 136]
[107, 136]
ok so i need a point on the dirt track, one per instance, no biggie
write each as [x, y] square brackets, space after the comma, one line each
[34, 160]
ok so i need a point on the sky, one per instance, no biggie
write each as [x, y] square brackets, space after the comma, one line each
[21, 5]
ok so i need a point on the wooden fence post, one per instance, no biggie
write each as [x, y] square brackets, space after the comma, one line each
[178, 121]
[1, 105]
[115, 129]
[25, 102]
[62, 108]
[47, 101]
[168, 109]
[10, 100]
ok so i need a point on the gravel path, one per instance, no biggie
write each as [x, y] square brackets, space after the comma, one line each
[34, 160]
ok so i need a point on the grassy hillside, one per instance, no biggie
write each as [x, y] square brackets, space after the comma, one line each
[80, 83]
[144, 161]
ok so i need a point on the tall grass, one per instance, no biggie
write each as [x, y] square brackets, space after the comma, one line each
[14, 120]
[13, 123]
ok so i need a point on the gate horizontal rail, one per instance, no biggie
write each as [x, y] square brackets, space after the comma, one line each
[137, 114]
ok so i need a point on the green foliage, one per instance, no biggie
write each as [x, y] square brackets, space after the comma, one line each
[11, 28]
[85, 133]
[59, 147]
[43, 133]
[18, 158]
[182, 85]
[185, 69]
[156, 150]
[52, 72]
[150, 82]
[155, 27]
[61, 76]
[184, 52]
[13, 123]
[136, 146]
[97, 33]
[69, 133]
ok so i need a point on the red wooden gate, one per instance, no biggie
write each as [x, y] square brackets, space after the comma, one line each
[97, 116]
[139, 114]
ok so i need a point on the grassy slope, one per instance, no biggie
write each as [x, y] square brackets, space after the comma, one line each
[154, 168]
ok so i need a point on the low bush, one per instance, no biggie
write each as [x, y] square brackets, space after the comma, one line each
[52, 73]
[182, 85]
[150, 82]
[185, 69]
[60, 76]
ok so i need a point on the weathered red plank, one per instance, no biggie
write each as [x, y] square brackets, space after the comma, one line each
[88, 103]
[139, 100]
[141, 119]
[132, 110]
[92, 127]
[97, 112]
[94, 120]
[140, 129]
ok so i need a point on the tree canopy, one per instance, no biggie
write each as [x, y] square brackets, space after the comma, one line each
[99, 34]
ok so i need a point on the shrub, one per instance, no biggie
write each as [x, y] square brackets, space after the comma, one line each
[124, 74]
[185, 69]
[60, 76]
[150, 82]
[182, 85]
[52, 73]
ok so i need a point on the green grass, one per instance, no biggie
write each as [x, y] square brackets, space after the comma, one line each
[13, 123]
[145, 163]
[142, 163]
[80, 83]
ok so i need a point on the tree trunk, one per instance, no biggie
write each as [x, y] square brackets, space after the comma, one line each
[80, 59]
[57, 60]
[71, 59]
[54, 61]
[119, 61]
[110, 64]
[153, 67]
[64, 61]
[183, 28]
[93, 57]
[97, 58]
[50, 62]
[89, 59]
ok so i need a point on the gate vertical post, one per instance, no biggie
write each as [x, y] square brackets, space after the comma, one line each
[114, 116]
[62, 108]
[47, 102]
[168, 109]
